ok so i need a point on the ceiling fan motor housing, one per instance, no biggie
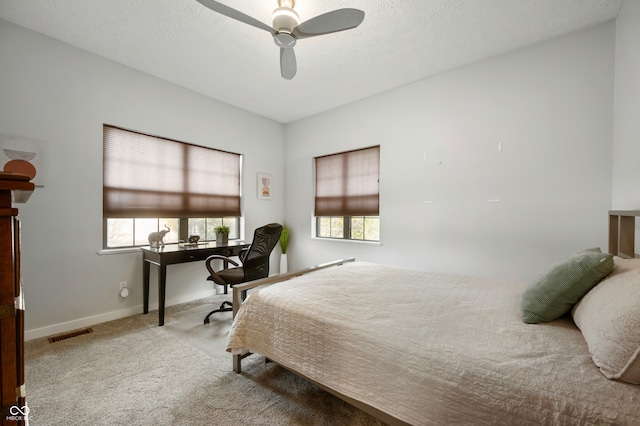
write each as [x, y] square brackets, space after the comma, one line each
[285, 19]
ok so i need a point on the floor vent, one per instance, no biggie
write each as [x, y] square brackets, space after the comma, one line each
[70, 335]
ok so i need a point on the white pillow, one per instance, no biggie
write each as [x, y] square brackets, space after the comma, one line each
[609, 318]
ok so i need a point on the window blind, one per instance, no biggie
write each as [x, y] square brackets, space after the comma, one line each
[347, 183]
[149, 176]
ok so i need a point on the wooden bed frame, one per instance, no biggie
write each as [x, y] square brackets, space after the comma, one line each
[622, 232]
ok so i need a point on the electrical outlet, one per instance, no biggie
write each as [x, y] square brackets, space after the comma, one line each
[123, 284]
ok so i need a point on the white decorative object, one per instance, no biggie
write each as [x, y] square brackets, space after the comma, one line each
[284, 243]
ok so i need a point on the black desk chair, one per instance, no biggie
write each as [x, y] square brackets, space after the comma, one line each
[255, 263]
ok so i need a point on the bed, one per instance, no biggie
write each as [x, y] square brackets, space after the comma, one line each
[415, 347]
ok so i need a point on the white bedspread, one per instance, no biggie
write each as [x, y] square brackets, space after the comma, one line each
[431, 348]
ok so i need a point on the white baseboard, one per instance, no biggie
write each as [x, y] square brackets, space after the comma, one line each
[64, 327]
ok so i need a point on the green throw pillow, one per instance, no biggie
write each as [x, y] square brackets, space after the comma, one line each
[554, 293]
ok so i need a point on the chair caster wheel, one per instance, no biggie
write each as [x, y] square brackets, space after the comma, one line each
[206, 321]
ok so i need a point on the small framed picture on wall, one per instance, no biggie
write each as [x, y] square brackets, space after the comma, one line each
[264, 186]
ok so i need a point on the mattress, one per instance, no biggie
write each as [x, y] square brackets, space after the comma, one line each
[431, 348]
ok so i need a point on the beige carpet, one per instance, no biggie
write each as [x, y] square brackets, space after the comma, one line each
[132, 372]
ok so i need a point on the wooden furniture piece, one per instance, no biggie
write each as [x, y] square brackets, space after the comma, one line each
[174, 254]
[13, 187]
[622, 230]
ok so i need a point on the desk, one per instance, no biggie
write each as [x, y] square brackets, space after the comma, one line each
[174, 253]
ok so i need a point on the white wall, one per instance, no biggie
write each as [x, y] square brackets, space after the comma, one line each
[551, 108]
[549, 105]
[626, 142]
[62, 95]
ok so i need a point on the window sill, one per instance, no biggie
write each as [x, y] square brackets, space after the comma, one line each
[342, 240]
[119, 251]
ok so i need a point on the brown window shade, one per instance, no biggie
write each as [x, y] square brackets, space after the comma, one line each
[347, 184]
[148, 176]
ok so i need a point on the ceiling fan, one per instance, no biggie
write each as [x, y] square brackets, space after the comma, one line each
[287, 30]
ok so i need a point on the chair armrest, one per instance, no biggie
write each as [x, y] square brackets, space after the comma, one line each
[215, 276]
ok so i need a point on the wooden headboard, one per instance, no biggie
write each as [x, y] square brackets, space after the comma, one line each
[622, 232]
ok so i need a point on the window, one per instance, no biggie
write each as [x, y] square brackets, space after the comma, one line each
[347, 195]
[152, 183]
[364, 228]
[132, 232]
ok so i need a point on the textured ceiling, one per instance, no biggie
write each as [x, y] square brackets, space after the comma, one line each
[399, 42]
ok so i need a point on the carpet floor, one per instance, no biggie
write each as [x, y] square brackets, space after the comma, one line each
[132, 372]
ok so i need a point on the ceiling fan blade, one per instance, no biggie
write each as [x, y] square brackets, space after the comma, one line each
[288, 65]
[235, 14]
[330, 22]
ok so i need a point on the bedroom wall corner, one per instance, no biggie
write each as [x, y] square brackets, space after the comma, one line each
[626, 143]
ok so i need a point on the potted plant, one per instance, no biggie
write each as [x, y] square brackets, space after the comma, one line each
[222, 234]
[284, 243]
